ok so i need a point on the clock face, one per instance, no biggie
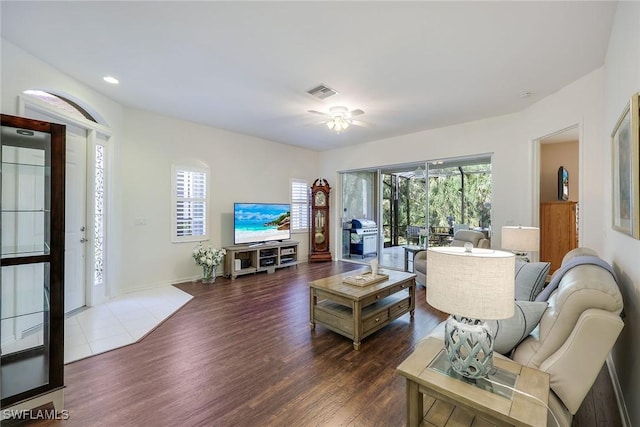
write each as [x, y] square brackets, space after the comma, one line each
[321, 199]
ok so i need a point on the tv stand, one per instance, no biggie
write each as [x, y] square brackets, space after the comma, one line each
[254, 258]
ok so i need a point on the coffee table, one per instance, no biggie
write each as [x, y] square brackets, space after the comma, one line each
[438, 398]
[358, 311]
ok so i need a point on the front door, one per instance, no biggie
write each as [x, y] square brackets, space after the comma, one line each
[75, 220]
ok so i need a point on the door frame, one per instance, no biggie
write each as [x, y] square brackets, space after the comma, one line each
[535, 178]
[97, 134]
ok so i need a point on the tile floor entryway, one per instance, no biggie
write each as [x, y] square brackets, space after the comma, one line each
[119, 322]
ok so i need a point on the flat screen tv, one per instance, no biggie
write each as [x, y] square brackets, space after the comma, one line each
[261, 222]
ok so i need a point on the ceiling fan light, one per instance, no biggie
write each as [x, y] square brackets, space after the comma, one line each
[331, 124]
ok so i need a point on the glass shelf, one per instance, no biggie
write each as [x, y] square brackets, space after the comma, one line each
[24, 316]
[8, 164]
[24, 291]
[24, 210]
[23, 155]
[25, 333]
[23, 233]
[25, 250]
[31, 184]
[498, 381]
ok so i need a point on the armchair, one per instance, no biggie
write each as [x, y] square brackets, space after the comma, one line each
[476, 238]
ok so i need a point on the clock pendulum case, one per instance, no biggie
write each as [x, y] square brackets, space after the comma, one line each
[319, 249]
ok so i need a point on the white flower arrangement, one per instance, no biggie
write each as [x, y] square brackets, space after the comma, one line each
[209, 256]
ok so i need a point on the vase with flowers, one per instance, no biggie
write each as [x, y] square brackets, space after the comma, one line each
[208, 258]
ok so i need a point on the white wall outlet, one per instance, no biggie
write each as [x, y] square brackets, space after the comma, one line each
[140, 221]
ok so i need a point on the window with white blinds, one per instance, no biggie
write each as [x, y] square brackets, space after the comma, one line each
[189, 204]
[299, 205]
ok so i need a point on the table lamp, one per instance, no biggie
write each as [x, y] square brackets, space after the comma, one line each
[521, 240]
[472, 285]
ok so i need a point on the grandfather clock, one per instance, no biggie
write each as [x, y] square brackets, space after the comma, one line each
[319, 248]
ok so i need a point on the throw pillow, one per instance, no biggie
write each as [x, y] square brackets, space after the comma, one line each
[507, 333]
[530, 278]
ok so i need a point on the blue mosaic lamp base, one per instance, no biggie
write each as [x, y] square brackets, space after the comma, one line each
[469, 346]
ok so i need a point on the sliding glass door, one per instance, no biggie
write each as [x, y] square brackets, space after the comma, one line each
[359, 201]
[398, 212]
[413, 206]
[459, 197]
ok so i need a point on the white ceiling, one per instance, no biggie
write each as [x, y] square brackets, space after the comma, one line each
[246, 66]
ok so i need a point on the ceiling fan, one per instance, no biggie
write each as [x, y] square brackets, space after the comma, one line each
[340, 118]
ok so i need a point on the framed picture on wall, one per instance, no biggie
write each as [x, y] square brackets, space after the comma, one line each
[625, 141]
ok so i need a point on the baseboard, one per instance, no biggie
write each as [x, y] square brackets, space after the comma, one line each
[622, 407]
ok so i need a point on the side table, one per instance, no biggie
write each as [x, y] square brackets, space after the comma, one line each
[413, 250]
[436, 398]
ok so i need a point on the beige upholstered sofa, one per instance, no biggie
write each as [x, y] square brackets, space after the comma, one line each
[461, 237]
[576, 332]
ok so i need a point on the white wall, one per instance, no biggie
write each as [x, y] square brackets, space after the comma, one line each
[578, 103]
[22, 71]
[552, 156]
[511, 140]
[622, 79]
[242, 169]
[501, 136]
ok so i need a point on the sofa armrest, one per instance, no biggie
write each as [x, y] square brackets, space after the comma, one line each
[575, 365]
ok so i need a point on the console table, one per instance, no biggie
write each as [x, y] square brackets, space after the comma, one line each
[358, 311]
[246, 259]
[440, 399]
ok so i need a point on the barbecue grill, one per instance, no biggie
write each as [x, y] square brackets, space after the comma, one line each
[364, 237]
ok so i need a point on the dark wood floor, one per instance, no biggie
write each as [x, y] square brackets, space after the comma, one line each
[241, 353]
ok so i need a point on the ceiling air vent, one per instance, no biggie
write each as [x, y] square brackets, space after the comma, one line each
[321, 91]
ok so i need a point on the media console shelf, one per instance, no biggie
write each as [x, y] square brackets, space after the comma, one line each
[245, 259]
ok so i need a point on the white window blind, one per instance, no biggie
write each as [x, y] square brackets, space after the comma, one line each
[299, 205]
[190, 204]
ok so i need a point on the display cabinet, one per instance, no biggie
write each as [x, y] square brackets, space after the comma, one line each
[32, 155]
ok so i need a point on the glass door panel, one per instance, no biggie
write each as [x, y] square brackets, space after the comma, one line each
[358, 202]
[459, 198]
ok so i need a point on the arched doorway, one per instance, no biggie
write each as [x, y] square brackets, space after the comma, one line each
[85, 200]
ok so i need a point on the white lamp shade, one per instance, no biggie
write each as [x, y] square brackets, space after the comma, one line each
[479, 284]
[524, 239]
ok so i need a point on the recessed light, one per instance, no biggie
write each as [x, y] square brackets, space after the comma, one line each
[111, 80]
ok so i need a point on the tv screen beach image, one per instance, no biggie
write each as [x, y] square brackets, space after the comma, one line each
[261, 222]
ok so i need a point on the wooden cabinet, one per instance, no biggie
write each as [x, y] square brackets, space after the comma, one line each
[32, 154]
[558, 231]
[244, 259]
